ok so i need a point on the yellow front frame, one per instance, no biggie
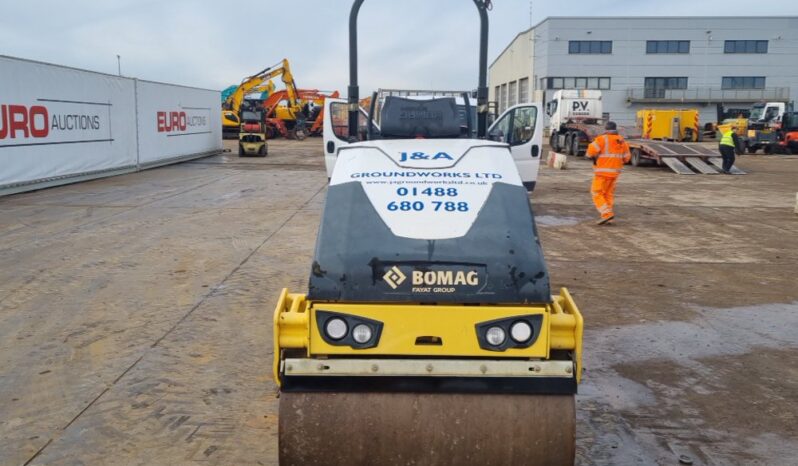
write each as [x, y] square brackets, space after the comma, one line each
[403, 323]
[295, 328]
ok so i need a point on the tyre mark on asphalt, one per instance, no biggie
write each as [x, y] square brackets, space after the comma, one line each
[26, 463]
[125, 210]
[207, 295]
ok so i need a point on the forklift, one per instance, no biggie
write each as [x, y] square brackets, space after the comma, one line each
[252, 136]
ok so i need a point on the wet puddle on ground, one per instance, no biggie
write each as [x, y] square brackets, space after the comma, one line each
[557, 221]
[655, 391]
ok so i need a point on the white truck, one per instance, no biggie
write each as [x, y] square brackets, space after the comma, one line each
[764, 123]
[574, 120]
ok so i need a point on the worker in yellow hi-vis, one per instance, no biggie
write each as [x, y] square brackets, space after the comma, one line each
[609, 153]
[728, 147]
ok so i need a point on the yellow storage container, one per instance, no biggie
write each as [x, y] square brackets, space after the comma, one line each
[674, 125]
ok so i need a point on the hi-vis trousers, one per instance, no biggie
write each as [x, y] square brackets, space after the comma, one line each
[603, 191]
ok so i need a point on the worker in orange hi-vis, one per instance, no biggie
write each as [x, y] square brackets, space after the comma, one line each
[609, 153]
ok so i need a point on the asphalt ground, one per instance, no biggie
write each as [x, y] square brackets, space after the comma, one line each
[135, 311]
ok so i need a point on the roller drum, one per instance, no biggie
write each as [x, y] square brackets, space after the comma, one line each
[353, 429]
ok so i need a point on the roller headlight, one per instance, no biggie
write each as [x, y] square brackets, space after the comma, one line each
[521, 331]
[361, 333]
[511, 332]
[495, 336]
[356, 332]
[336, 328]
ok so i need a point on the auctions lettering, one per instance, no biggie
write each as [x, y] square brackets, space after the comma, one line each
[20, 121]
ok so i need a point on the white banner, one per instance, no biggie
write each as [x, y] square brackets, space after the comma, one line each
[60, 125]
[57, 121]
[176, 121]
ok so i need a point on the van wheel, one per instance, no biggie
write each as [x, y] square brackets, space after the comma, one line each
[240, 150]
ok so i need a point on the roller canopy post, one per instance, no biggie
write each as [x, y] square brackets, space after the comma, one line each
[354, 90]
[482, 87]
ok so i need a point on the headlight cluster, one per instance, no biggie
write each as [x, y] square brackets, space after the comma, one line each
[509, 332]
[346, 330]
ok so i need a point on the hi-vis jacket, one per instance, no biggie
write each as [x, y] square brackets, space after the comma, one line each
[611, 152]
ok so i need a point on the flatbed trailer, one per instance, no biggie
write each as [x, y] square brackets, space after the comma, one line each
[684, 158]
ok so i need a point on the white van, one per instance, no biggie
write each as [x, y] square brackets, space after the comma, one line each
[520, 126]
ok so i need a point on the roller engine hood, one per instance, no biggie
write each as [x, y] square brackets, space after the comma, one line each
[430, 221]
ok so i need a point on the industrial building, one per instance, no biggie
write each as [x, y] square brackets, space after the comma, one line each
[718, 65]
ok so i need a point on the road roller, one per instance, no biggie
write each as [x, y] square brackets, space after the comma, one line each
[429, 333]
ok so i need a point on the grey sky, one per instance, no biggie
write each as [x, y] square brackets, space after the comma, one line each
[409, 43]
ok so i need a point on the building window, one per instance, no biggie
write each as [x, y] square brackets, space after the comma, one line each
[512, 94]
[655, 87]
[746, 46]
[496, 91]
[578, 83]
[743, 82]
[503, 98]
[523, 90]
[589, 46]
[668, 46]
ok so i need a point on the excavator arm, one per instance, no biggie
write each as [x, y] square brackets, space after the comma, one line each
[257, 80]
[284, 72]
[231, 107]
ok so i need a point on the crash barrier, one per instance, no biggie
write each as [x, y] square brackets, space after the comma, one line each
[557, 160]
[61, 125]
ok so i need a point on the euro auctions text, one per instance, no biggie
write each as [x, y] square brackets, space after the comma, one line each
[37, 121]
[178, 121]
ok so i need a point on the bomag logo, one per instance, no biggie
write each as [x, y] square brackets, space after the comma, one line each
[394, 277]
[405, 156]
[432, 281]
[445, 278]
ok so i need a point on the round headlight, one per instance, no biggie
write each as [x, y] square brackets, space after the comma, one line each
[361, 333]
[335, 328]
[495, 336]
[521, 331]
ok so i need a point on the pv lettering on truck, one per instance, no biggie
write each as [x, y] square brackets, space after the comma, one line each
[579, 108]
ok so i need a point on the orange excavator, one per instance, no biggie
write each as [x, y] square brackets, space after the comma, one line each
[283, 118]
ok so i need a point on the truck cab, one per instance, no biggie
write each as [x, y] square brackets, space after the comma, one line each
[766, 113]
[570, 105]
[575, 117]
[764, 124]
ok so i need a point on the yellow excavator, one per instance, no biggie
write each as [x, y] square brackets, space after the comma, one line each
[231, 107]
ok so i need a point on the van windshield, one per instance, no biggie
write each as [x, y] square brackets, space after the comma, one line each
[756, 112]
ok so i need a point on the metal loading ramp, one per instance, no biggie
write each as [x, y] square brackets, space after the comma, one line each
[684, 158]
